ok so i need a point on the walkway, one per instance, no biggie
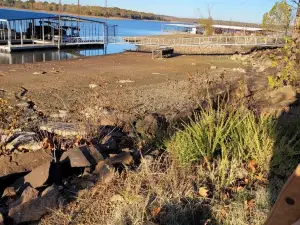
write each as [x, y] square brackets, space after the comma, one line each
[263, 41]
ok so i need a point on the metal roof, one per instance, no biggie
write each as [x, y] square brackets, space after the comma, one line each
[182, 25]
[13, 14]
[237, 28]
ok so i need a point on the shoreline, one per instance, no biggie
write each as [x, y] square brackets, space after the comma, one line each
[87, 16]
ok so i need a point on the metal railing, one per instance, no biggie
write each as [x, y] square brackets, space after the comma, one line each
[200, 41]
[82, 40]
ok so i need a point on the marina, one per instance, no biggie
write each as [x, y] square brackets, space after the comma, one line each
[34, 30]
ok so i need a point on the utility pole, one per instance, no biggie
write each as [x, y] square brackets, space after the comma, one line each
[106, 20]
[78, 5]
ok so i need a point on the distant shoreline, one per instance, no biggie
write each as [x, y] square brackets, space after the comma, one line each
[82, 15]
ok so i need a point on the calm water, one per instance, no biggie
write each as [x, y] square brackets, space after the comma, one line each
[125, 28]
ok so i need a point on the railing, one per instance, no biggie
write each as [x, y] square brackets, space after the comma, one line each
[200, 41]
[82, 40]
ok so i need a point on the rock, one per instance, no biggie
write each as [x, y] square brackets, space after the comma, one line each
[34, 209]
[23, 105]
[28, 194]
[9, 192]
[124, 158]
[277, 100]
[104, 172]
[76, 158]
[21, 163]
[92, 86]
[83, 156]
[24, 140]
[109, 143]
[64, 129]
[83, 183]
[151, 125]
[37, 177]
[213, 67]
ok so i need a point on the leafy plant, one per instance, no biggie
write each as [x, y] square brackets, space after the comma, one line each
[288, 72]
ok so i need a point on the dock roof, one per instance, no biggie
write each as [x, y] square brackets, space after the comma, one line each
[16, 14]
[13, 14]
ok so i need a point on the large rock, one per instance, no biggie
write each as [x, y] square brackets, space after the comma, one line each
[24, 140]
[64, 129]
[36, 178]
[276, 101]
[151, 125]
[104, 172]
[34, 209]
[28, 194]
[83, 156]
[17, 163]
[124, 158]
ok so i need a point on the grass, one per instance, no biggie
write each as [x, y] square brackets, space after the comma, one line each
[239, 159]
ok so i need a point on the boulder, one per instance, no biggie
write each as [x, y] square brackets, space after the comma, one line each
[37, 177]
[151, 125]
[104, 172]
[34, 209]
[18, 163]
[76, 158]
[24, 140]
[124, 158]
[28, 194]
[64, 129]
[83, 156]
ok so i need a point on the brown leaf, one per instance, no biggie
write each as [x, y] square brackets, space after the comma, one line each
[261, 178]
[156, 211]
[203, 192]
[252, 165]
[249, 204]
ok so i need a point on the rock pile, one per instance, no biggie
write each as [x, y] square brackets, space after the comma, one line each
[259, 60]
[34, 177]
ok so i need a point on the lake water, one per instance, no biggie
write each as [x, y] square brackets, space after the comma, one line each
[125, 28]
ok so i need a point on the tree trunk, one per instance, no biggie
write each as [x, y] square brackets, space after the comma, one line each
[296, 34]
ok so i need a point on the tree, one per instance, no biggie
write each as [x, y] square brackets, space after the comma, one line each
[296, 33]
[208, 23]
[279, 18]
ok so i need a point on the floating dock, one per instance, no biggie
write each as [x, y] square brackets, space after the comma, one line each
[22, 30]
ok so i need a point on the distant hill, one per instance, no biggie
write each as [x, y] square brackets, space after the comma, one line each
[220, 22]
[99, 11]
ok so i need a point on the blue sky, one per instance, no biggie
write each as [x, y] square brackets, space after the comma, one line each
[237, 10]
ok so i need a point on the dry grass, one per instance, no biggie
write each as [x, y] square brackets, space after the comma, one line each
[225, 167]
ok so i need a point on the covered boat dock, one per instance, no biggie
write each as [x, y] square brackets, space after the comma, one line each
[28, 30]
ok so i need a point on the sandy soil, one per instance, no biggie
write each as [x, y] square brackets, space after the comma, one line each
[129, 82]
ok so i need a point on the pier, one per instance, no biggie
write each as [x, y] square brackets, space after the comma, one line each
[26, 30]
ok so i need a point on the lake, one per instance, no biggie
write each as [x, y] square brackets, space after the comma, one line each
[125, 28]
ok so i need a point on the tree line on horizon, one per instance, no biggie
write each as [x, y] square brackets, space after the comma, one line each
[84, 10]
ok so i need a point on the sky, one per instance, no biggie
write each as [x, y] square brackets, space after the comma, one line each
[235, 10]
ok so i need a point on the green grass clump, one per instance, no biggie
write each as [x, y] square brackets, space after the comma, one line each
[226, 133]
